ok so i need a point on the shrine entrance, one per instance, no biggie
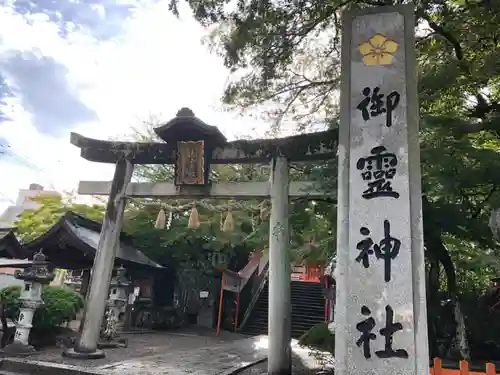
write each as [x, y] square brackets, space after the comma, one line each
[192, 146]
[380, 312]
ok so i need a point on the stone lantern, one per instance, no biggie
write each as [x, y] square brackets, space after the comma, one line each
[34, 278]
[117, 302]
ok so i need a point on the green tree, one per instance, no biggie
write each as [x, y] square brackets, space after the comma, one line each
[312, 239]
[35, 222]
[285, 55]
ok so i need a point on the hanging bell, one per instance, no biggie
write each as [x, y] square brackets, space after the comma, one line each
[161, 219]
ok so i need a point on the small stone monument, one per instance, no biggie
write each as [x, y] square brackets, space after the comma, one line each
[34, 278]
[118, 297]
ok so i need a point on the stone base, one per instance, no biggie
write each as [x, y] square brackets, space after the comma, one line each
[72, 353]
[16, 349]
[111, 344]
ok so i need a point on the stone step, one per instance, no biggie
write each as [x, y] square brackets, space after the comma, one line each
[295, 319]
[308, 309]
[299, 301]
[307, 306]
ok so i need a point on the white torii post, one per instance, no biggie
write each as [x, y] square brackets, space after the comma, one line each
[280, 314]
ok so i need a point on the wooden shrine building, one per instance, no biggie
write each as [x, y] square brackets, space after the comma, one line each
[72, 242]
[9, 245]
[12, 258]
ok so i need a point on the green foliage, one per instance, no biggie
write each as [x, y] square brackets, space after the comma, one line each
[321, 343]
[35, 222]
[60, 305]
[483, 324]
[312, 223]
[9, 297]
[320, 338]
[285, 56]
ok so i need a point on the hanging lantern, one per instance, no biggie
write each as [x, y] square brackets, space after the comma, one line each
[161, 219]
[194, 219]
[228, 222]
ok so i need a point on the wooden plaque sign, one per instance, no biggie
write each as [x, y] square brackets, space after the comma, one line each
[190, 165]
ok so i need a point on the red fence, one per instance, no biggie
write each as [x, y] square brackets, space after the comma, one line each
[438, 369]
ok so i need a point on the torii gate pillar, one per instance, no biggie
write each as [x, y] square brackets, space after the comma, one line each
[100, 276]
[280, 303]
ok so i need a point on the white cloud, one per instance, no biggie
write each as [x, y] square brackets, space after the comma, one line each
[156, 66]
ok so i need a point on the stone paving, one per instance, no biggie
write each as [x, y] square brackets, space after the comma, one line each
[195, 351]
[144, 345]
[187, 352]
[223, 359]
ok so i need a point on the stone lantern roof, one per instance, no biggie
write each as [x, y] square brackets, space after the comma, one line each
[38, 272]
[120, 280]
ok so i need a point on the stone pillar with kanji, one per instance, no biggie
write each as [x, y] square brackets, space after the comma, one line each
[380, 312]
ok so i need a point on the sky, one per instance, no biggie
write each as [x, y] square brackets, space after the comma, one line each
[98, 68]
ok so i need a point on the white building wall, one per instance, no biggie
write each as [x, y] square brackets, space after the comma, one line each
[8, 280]
[23, 202]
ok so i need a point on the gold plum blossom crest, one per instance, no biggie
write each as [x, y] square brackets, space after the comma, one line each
[378, 50]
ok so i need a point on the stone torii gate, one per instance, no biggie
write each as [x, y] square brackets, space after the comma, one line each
[192, 146]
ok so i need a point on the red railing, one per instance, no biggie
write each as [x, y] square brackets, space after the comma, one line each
[438, 369]
[235, 282]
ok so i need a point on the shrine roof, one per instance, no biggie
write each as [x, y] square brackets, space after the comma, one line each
[72, 242]
[9, 245]
[186, 126]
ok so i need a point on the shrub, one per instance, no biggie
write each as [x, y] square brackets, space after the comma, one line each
[321, 343]
[9, 296]
[60, 305]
